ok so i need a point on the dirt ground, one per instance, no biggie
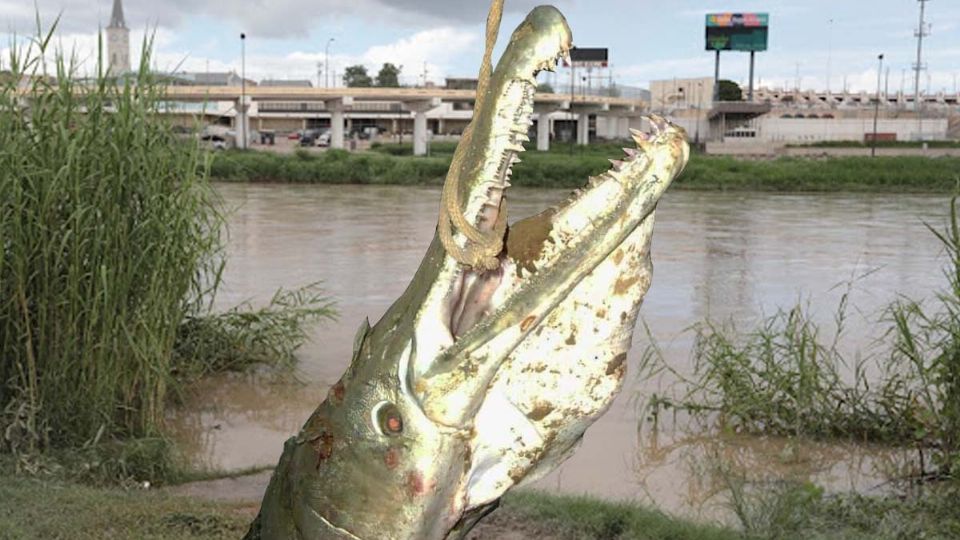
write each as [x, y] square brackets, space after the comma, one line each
[500, 525]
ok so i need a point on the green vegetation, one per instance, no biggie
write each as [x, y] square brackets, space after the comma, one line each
[787, 378]
[567, 166]
[587, 517]
[880, 144]
[244, 337]
[730, 91]
[45, 508]
[35, 508]
[110, 256]
[110, 233]
[797, 510]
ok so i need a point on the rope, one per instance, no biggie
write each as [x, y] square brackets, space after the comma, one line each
[482, 249]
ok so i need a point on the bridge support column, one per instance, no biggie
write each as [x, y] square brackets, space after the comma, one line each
[336, 108]
[543, 111]
[420, 109]
[583, 128]
[543, 132]
[242, 123]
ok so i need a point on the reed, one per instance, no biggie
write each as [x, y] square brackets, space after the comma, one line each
[110, 235]
[788, 377]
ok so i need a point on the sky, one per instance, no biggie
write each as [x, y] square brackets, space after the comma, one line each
[648, 40]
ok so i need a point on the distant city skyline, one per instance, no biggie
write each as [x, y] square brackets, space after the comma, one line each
[647, 41]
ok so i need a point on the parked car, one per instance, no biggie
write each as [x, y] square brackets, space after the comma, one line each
[294, 135]
[324, 138]
[216, 142]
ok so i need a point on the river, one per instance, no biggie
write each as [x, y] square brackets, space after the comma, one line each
[726, 256]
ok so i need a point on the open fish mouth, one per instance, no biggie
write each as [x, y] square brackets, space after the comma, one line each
[507, 344]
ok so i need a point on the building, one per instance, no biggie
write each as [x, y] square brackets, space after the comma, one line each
[208, 78]
[670, 94]
[118, 42]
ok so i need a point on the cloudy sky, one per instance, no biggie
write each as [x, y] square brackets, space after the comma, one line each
[648, 39]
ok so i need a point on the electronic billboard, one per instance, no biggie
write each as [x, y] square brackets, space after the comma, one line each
[737, 31]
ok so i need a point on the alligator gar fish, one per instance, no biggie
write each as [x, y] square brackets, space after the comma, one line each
[507, 344]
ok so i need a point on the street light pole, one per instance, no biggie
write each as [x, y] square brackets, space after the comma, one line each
[326, 65]
[876, 109]
[243, 91]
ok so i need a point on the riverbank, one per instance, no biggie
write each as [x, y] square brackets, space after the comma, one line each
[37, 508]
[570, 168]
[50, 508]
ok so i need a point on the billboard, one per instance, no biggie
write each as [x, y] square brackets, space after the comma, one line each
[737, 31]
[588, 57]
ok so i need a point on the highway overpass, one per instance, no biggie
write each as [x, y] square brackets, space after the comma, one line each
[338, 102]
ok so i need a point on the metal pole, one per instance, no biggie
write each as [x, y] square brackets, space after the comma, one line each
[876, 110]
[917, 102]
[750, 92]
[326, 64]
[243, 91]
[716, 78]
[696, 137]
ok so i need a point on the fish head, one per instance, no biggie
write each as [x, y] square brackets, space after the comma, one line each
[482, 377]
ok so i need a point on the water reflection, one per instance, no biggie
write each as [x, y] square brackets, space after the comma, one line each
[715, 254]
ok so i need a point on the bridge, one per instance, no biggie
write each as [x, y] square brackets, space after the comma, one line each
[418, 101]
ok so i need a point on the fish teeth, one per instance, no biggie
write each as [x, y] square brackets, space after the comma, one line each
[631, 153]
[522, 137]
[617, 164]
[516, 147]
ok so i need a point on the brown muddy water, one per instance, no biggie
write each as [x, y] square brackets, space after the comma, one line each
[718, 255]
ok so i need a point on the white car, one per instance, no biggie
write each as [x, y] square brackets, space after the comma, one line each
[324, 138]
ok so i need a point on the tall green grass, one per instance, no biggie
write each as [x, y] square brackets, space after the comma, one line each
[788, 377]
[110, 235]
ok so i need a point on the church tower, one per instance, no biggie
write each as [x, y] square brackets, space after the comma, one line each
[118, 42]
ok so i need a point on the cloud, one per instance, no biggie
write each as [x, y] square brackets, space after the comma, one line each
[439, 48]
[265, 18]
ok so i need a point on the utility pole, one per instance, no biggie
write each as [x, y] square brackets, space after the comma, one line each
[326, 65]
[921, 32]
[876, 110]
[243, 91]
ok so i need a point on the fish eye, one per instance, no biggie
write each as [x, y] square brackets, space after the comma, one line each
[387, 419]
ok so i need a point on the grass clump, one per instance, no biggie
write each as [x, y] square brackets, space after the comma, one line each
[244, 338]
[110, 255]
[109, 232]
[585, 517]
[783, 509]
[34, 508]
[786, 378]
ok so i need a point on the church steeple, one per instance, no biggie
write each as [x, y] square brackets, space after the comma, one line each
[116, 17]
[118, 42]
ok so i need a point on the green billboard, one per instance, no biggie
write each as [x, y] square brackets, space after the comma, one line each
[737, 31]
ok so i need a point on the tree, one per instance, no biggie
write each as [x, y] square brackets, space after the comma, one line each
[356, 76]
[389, 76]
[544, 88]
[730, 91]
